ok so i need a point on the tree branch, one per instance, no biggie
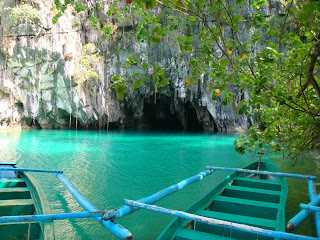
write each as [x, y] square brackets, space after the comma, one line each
[310, 76]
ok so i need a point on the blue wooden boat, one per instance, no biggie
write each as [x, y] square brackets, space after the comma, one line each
[250, 199]
[20, 194]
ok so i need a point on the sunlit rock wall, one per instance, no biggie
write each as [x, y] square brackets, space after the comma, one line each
[40, 64]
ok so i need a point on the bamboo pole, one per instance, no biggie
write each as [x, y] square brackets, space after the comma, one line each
[49, 217]
[216, 222]
[112, 226]
[126, 210]
[308, 177]
[29, 170]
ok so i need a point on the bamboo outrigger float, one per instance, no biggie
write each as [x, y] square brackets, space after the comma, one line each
[246, 204]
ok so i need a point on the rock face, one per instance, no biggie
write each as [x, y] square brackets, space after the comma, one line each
[47, 79]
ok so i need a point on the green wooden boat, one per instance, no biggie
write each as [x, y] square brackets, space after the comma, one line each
[20, 194]
[257, 201]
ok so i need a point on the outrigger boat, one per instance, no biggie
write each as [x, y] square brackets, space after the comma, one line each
[20, 194]
[248, 204]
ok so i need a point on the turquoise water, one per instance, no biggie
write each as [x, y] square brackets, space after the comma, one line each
[108, 167]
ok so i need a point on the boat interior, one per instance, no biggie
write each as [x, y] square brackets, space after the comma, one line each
[16, 198]
[246, 200]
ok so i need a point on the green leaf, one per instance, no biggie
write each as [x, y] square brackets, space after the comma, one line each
[135, 75]
[145, 79]
[156, 40]
[173, 27]
[237, 18]
[187, 48]
[193, 19]
[236, 28]
[120, 96]
[148, 5]
[239, 2]
[188, 40]
[145, 66]
[160, 71]
[134, 58]
[79, 7]
[136, 84]
[214, 96]
[212, 9]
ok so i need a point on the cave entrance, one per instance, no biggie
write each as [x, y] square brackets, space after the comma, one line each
[192, 122]
[159, 117]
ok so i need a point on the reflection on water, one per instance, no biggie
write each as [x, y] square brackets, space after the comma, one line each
[108, 167]
[8, 146]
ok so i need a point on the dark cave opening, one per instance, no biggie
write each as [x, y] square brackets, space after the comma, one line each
[193, 124]
[158, 117]
[33, 123]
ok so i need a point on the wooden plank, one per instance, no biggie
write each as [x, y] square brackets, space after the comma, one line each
[252, 221]
[245, 207]
[257, 183]
[252, 194]
[14, 180]
[12, 183]
[254, 190]
[187, 234]
[16, 189]
[16, 202]
[260, 180]
[15, 193]
[246, 202]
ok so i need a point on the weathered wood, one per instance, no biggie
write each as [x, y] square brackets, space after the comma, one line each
[49, 217]
[16, 189]
[16, 202]
[308, 177]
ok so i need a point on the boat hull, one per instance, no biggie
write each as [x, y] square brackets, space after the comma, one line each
[22, 195]
[258, 202]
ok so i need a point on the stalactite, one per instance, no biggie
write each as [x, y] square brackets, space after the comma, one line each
[34, 89]
[39, 79]
[12, 106]
[70, 115]
[77, 117]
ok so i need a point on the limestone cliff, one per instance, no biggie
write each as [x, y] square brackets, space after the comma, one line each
[59, 76]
